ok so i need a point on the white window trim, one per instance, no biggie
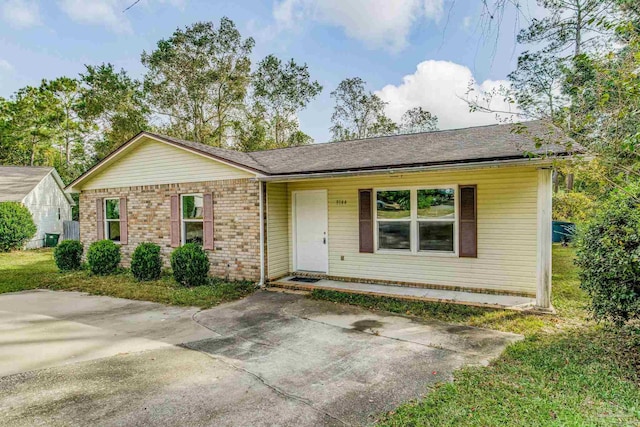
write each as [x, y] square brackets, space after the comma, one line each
[414, 241]
[183, 233]
[107, 221]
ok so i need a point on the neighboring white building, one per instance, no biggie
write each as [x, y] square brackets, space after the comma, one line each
[41, 190]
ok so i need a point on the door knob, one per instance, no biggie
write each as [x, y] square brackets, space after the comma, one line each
[324, 240]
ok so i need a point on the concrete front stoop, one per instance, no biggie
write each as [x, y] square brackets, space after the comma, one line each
[507, 302]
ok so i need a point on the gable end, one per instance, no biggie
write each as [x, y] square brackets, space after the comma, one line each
[148, 160]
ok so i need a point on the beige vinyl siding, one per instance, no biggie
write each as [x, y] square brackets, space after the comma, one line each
[151, 162]
[507, 212]
[277, 230]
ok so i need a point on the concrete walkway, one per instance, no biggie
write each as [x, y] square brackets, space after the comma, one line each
[406, 292]
[269, 359]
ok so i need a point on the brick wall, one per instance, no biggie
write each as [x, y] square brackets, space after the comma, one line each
[236, 222]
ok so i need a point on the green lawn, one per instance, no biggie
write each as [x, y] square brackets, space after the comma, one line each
[569, 371]
[35, 269]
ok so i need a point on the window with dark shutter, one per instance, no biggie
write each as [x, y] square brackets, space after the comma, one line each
[175, 221]
[468, 221]
[207, 221]
[99, 218]
[124, 222]
[366, 220]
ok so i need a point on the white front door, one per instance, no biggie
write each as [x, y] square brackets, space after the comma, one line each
[310, 231]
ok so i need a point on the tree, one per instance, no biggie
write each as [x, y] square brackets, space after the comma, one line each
[605, 93]
[418, 120]
[358, 113]
[600, 90]
[537, 82]
[198, 78]
[251, 131]
[68, 129]
[6, 150]
[282, 90]
[30, 127]
[114, 103]
[571, 27]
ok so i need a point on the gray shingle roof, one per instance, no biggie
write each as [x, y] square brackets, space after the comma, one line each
[18, 181]
[495, 142]
[468, 145]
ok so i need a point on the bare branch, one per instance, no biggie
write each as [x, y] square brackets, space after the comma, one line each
[131, 5]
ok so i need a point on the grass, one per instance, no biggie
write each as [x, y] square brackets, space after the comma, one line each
[568, 371]
[24, 270]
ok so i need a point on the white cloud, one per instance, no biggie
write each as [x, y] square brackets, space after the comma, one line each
[180, 4]
[97, 12]
[108, 13]
[5, 65]
[21, 13]
[378, 23]
[438, 87]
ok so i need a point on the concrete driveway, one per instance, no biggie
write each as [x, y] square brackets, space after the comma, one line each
[271, 359]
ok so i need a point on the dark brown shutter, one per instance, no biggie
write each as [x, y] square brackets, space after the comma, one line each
[175, 220]
[468, 221]
[366, 220]
[100, 218]
[124, 222]
[207, 225]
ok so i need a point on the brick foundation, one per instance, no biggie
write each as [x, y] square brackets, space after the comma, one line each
[236, 253]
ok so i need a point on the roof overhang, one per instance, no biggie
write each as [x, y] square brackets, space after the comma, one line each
[75, 186]
[60, 183]
[535, 162]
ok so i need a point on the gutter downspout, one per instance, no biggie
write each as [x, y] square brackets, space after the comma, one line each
[260, 189]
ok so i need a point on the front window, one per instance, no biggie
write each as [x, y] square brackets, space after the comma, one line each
[192, 218]
[436, 216]
[393, 209]
[416, 220]
[112, 219]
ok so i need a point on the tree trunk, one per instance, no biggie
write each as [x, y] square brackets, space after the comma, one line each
[556, 180]
[577, 52]
[33, 154]
[66, 139]
[578, 30]
[67, 150]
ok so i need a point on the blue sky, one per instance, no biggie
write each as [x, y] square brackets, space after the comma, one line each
[411, 52]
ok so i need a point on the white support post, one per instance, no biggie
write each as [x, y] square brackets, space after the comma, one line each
[543, 292]
[262, 191]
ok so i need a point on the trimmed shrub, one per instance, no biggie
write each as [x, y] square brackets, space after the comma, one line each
[103, 257]
[190, 265]
[145, 262]
[68, 255]
[609, 258]
[16, 226]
